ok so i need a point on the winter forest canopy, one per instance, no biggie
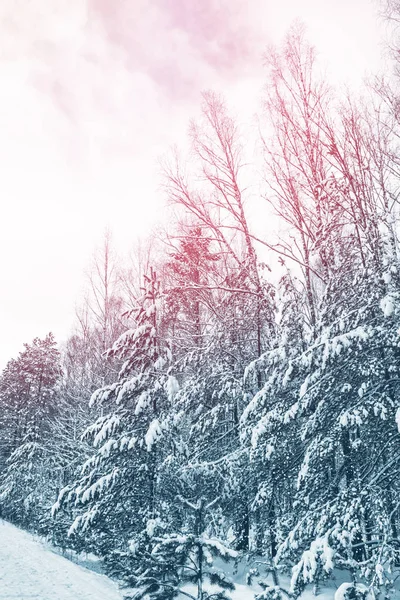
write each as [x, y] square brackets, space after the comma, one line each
[233, 393]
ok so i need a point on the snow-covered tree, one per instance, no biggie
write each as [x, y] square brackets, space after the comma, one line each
[117, 491]
[184, 557]
[28, 391]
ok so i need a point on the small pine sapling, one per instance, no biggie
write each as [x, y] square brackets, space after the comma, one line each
[194, 554]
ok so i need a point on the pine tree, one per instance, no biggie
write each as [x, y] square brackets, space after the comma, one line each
[187, 557]
[117, 491]
[28, 389]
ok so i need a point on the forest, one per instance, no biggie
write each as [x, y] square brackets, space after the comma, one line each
[231, 391]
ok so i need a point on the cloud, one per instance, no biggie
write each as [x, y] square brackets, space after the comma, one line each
[91, 92]
[185, 46]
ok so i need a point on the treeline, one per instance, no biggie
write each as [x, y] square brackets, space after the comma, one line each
[210, 405]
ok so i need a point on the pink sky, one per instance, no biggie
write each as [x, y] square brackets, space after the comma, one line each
[93, 92]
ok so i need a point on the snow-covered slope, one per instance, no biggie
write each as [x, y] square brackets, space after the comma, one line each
[29, 570]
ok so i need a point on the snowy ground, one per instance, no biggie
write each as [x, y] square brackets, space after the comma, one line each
[244, 592]
[30, 570]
